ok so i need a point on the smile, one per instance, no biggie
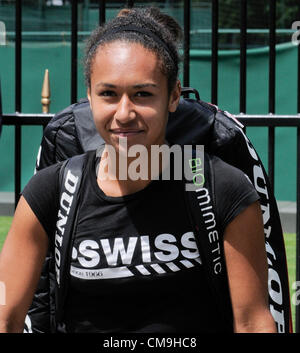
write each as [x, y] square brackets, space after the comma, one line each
[126, 133]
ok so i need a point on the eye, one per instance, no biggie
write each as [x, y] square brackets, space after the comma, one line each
[107, 94]
[143, 94]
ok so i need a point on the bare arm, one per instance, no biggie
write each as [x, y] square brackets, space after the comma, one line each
[246, 263]
[21, 261]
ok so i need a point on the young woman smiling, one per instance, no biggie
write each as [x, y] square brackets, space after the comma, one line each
[134, 264]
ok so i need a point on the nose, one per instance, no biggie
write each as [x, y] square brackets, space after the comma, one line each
[125, 111]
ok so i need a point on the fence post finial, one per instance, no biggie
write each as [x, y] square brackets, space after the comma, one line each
[46, 93]
[2, 33]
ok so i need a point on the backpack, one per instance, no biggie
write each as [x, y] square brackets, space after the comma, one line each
[70, 177]
[195, 122]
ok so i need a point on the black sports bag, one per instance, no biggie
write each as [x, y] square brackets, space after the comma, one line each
[72, 131]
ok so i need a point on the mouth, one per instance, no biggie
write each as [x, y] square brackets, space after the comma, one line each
[126, 132]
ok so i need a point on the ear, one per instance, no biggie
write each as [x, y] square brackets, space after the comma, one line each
[175, 97]
[89, 96]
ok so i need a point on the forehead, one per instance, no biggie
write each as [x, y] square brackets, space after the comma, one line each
[123, 62]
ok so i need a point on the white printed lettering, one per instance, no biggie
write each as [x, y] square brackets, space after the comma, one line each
[210, 218]
[162, 242]
[189, 242]
[61, 222]
[66, 201]
[206, 196]
[278, 318]
[57, 257]
[259, 175]
[71, 182]
[275, 293]
[145, 246]
[85, 250]
[119, 248]
[213, 236]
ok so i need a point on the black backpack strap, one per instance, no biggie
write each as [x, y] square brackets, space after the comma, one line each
[209, 239]
[70, 184]
[231, 144]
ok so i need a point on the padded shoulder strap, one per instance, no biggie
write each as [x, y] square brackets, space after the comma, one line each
[200, 205]
[232, 145]
[70, 182]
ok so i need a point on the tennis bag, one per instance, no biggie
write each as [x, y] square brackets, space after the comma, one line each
[204, 223]
[72, 132]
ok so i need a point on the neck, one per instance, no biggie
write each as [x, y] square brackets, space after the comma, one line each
[120, 174]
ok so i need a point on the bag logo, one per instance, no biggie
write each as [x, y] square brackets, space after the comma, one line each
[62, 217]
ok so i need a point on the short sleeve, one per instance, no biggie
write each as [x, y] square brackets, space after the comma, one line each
[234, 191]
[41, 193]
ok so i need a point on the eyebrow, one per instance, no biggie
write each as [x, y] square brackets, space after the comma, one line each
[137, 86]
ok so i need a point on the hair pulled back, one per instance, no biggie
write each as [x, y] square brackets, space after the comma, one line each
[162, 25]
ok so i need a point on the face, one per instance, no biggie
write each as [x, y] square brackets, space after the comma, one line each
[129, 96]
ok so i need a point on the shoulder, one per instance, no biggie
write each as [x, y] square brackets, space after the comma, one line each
[43, 190]
[226, 174]
[41, 194]
[233, 190]
[46, 174]
[43, 186]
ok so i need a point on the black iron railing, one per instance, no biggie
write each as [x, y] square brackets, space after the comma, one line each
[271, 121]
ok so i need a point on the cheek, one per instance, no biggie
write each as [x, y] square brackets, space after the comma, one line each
[102, 116]
[158, 122]
[155, 116]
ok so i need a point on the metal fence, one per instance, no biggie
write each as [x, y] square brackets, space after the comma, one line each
[271, 120]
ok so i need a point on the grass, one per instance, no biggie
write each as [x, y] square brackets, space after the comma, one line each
[5, 223]
[290, 245]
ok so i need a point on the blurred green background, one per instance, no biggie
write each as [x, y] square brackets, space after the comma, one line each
[46, 45]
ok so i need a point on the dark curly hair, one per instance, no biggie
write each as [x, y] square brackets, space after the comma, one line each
[162, 25]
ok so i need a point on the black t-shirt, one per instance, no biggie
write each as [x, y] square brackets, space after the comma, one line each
[135, 266]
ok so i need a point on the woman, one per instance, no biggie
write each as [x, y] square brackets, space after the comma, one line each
[136, 233]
